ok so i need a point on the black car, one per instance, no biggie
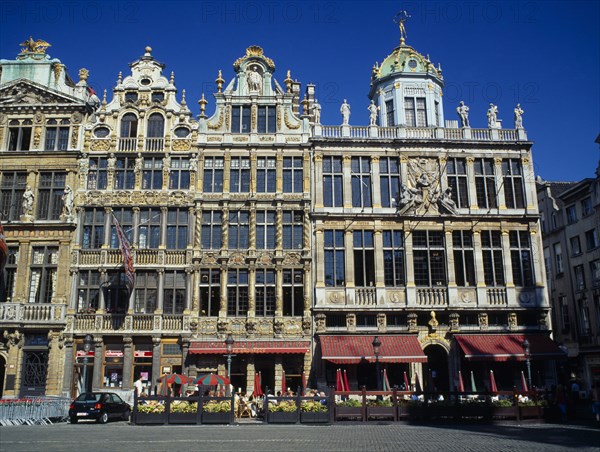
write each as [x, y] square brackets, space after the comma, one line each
[100, 406]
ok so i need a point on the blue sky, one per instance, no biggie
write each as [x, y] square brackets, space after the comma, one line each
[543, 54]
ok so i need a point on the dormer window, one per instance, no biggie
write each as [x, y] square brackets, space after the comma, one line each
[131, 96]
[266, 119]
[415, 111]
[158, 97]
[129, 126]
[19, 135]
[240, 119]
[57, 135]
[145, 81]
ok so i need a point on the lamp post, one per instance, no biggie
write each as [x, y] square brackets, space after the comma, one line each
[376, 345]
[526, 346]
[87, 345]
[229, 347]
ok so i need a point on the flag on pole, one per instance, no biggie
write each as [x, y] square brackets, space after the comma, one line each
[125, 248]
[524, 387]
[345, 379]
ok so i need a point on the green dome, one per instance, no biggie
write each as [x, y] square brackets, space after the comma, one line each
[405, 60]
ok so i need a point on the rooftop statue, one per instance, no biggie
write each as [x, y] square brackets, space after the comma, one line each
[519, 117]
[372, 113]
[31, 46]
[492, 115]
[345, 111]
[463, 114]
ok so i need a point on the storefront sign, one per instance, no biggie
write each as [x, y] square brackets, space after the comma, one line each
[113, 353]
[142, 354]
[81, 354]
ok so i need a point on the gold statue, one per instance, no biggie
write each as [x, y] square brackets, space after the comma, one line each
[31, 46]
[399, 19]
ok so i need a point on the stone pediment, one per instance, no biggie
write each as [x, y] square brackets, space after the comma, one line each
[20, 93]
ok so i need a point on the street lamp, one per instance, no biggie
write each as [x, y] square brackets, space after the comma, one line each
[376, 344]
[87, 345]
[229, 347]
[526, 346]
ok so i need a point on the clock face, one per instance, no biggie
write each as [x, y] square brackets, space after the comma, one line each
[412, 64]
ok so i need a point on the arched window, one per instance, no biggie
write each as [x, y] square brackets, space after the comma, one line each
[129, 126]
[156, 126]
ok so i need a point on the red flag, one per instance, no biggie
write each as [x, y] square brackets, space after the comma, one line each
[493, 387]
[3, 249]
[461, 383]
[406, 382]
[346, 385]
[127, 256]
[524, 387]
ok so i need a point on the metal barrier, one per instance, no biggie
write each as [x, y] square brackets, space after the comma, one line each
[34, 410]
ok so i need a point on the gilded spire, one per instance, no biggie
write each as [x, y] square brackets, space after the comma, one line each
[399, 19]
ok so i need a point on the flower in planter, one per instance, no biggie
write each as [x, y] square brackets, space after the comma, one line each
[285, 406]
[215, 406]
[180, 406]
[310, 406]
[352, 403]
[502, 403]
[151, 407]
[383, 403]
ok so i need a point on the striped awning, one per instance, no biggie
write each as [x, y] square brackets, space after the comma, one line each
[507, 347]
[249, 347]
[354, 349]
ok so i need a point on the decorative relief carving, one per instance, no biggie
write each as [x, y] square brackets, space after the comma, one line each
[176, 198]
[265, 259]
[291, 259]
[75, 137]
[219, 122]
[336, 297]
[288, 124]
[100, 145]
[181, 145]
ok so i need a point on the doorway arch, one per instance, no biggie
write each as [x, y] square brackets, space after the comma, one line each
[436, 375]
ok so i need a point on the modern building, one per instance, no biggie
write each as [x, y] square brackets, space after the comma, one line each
[571, 232]
[307, 244]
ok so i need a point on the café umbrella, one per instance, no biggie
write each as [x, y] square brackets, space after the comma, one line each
[345, 379]
[524, 387]
[168, 380]
[211, 380]
[493, 387]
[461, 383]
[406, 382]
[258, 392]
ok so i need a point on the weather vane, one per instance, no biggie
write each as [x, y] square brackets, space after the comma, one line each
[399, 19]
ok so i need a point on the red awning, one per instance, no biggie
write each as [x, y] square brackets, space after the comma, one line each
[247, 347]
[507, 347]
[353, 349]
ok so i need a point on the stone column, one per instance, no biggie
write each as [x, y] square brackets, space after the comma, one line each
[225, 228]
[379, 273]
[278, 373]
[98, 363]
[252, 228]
[101, 300]
[375, 183]
[250, 374]
[197, 225]
[68, 368]
[279, 172]
[189, 276]
[508, 270]
[499, 183]
[107, 226]
[161, 290]
[156, 352]
[136, 227]
[74, 300]
[529, 184]
[223, 306]
[252, 291]
[278, 291]
[192, 211]
[450, 256]
[306, 173]
[307, 291]
[253, 176]
[411, 291]
[471, 184]
[226, 170]
[349, 258]
[56, 360]
[318, 181]
[347, 181]
[479, 271]
[127, 363]
[185, 348]
[320, 256]
[164, 211]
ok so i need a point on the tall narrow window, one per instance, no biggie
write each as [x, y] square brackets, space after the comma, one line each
[514, 193]
[558, 259]
[522, 260]
[266, 119]
[125, 218]
[92, 229]
[177, 229]
[595, 272]
[50, 191]
[57, 135]
[265, 293]
[98, 174]
[571, 214]
[393, 258]
[333, 182]
[493, 265]
[124, 174]
[152, 174]
[149, 228]
[174, 292]
[212, 224]
[292, 175]
[415, 111]
[238, 229]
[293, 292]
[485, 183]
[8, 292]
[579, 273]
[265, 175]
[128, 133]
[146, 291]
[456, 170]
[389, 113]
[44, 266]
[240, 175]
[591, 239]
[237, 292]
[389, 177]
[213, 175]
[12, 188]
[334, 258]
[361, 182]
[156, 132]
[179, 177]
[88, 291]
[464, 263]
[265, 230]
[293, 225]
[586, 207]
[429, 258]
[19, 135]
[364, 259]
[240, 119]
[210, 292]
[564, 313]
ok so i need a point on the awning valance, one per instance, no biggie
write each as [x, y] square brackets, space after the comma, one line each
[507, 347]
[249, 347]
[353, 349]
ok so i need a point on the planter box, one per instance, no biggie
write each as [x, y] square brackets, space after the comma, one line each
[183, 418]
[314, 418]
[530, 412]
[348, 412]
[280, 417]
[474, 410]
[440, 412]
[216, 418]
[403, 412]
[417, 412]
[380, 412]
[504, 412]
[151, 418]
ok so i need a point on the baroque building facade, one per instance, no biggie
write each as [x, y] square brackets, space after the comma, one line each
[303, 241]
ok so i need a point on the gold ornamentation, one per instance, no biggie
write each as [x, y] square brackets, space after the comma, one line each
[181, 145]
[288, 124]
[31, 46]
[56, 69]
[254, 52]
[253, 117]
[100, 145]
[219, 122]
[75, 137]
[278, 110]
[83, 74]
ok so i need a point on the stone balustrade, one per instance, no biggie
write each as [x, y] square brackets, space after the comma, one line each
[32, 313]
